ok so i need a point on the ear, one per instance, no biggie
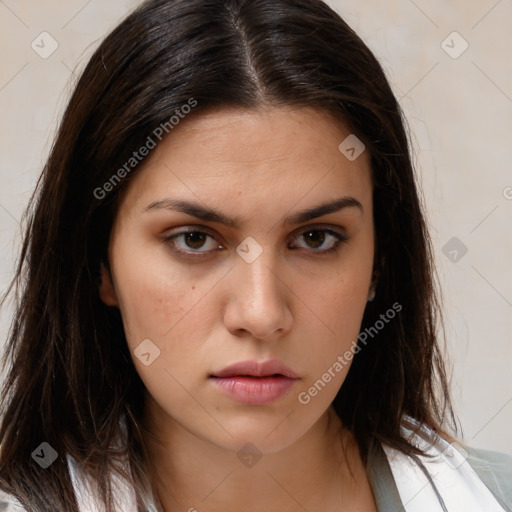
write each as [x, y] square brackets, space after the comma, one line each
[377, 270]
[106, 288]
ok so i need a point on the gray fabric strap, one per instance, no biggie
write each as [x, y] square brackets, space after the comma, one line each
[382, 481]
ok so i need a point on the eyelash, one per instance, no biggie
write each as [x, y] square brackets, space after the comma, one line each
[169, 240]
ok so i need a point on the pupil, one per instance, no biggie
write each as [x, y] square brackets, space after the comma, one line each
[196, 235]
[322, 237]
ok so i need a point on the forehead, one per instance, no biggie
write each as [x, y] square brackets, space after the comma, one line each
[265, 154]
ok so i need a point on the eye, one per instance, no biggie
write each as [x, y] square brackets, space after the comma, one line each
[192, 239]
[189, 242]
[317, 237]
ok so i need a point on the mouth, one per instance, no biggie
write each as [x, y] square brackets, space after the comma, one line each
[270, 368]
[255, 383]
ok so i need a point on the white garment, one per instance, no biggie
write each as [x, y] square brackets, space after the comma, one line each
[87, 498]
[455, 480]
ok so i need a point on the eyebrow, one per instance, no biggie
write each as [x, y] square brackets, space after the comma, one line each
[211, 215]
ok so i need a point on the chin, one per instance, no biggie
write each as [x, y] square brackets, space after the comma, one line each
[268, 433]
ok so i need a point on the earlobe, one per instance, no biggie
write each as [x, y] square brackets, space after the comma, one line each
[373, 285]
[371, 293]
[106, 288]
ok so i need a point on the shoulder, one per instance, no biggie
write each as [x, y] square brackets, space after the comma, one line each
[488, 461]
[494, 469]
[474, 465]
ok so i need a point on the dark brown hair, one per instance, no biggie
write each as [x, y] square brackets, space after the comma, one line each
[71, 378]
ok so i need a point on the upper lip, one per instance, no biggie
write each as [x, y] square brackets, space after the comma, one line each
[255, 369]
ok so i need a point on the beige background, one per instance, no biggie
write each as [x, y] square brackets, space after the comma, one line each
[460, 114]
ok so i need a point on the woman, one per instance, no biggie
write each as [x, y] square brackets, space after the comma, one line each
[230, 295]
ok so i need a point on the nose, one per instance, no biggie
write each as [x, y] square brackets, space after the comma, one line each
[259, 299]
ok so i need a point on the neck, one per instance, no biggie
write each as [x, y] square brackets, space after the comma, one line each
[322, 469]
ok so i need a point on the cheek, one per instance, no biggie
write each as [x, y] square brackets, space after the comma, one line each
[335, 309]
[153, 296]
[166, 303]
[338, 301]
[336, 324]
[330, 341]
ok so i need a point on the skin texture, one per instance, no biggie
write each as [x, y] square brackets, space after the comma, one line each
[207, 312]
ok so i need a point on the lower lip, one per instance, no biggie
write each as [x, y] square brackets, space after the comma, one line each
[254, 390]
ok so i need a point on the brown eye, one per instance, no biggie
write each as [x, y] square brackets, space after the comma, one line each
[316, 238]
[191, 242]
[194, 239]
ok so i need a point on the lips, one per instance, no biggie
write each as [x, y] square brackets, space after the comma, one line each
[269, 368]
[254, 383]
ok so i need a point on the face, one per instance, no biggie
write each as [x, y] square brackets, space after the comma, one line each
[267, 277]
